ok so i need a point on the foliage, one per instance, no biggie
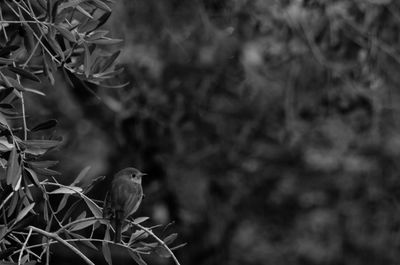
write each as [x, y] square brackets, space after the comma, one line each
[39, 39]
[272, 126]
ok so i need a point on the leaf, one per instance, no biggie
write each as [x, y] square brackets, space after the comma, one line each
[66, 190]
[94, 208]
[101, 5]
[42, 164]
[47, 172]
[13, 204]
[7, 252]
[82, 225]
[34, 91]
[13, 169]
[103, 19]
[136, 257]
[7, 50]
[66, 33]
[140, 219]
[24, 73]
[5, 145]
[24, 212]
[86, 62]
[81, 175]
[5, 92]
[45, 125]
[84, 12]
[106, 41]
[32, 176]
[38, 147]
[3, 120]
[162, 252]
[138, 235]
[110, 60]
[84, 241]
[171, 238]
[106, 248]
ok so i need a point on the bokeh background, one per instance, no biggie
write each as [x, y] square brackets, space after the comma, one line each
[269, 129]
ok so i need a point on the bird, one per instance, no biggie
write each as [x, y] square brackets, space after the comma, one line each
[123, 198]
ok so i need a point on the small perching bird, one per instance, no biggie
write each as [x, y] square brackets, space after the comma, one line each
[124, 198]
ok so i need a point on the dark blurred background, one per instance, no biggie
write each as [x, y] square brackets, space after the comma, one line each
[269, 129]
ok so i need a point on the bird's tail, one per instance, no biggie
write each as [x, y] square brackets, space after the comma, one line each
[118, 225]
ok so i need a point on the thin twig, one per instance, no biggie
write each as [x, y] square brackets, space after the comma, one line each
[24, 246]
[158, 240]
[63, 242]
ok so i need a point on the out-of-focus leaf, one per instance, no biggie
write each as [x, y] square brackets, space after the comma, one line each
[136, 257]
[24, 212]
[24, 73]
[97, 34]
[67, 190]
[7, 82]
[178, 246]
[45, 125]
[110, 60]
[171, 238]
[138, 235]
[48, 67]
[3, 120]
[81, 175]
[6, 61]
[5, 145]
[105, 247]
[47, 172]
[7, 252]
[84, 12]
[140, 219]
[106, 41]
[86, 62]
[42, 164]
[162, 252]
[7, 109]
[66, 33]
[101, 5]
[103, 19]
[4, 92]
[34, 91]
[38, 147]
[7, 50]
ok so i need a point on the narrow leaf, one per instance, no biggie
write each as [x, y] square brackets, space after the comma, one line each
[136, 257]
[140, 219]
[81, 175]
[66, 33]
[24, 212]
[106, 249]
[82, 225]
[94, 208]
[24, 73]
[86, 62]
[171, 238]
[67, 190]
[45, 125]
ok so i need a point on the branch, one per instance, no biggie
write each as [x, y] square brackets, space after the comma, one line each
[63, 242]
[158, 240]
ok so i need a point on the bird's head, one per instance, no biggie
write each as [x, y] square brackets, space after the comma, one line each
[133, 173]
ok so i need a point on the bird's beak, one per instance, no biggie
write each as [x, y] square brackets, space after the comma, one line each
[142, 174]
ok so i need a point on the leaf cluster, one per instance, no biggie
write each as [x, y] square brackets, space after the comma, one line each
[37, 40]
